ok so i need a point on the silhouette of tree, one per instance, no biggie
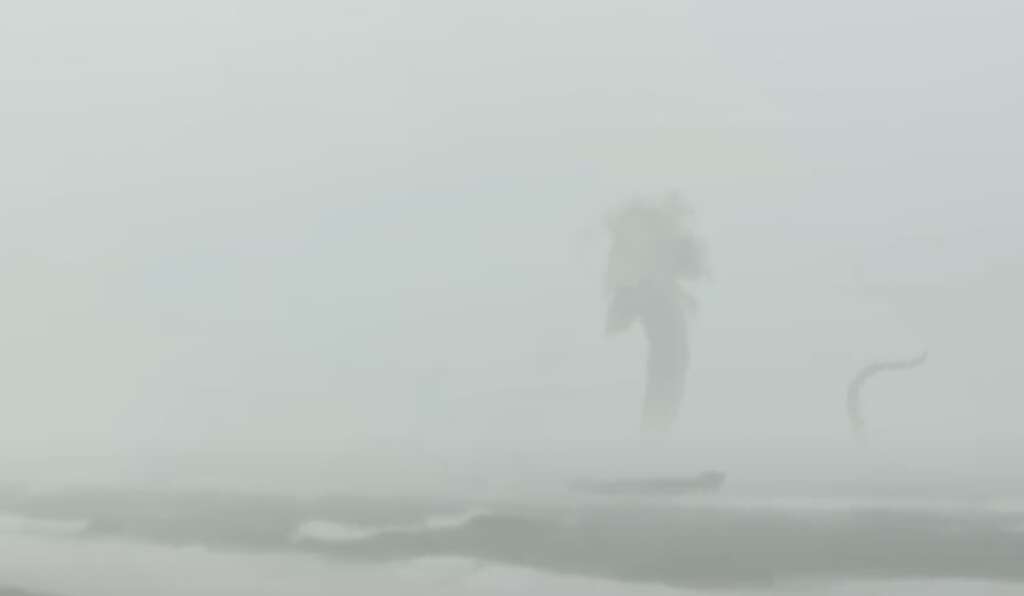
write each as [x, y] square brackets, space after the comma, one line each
[654, 253]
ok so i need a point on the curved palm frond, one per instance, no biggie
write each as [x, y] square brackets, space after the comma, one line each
[854, 410]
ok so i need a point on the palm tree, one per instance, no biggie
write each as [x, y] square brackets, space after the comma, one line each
[653, 252]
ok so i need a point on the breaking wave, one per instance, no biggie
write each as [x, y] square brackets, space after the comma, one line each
[335, 532]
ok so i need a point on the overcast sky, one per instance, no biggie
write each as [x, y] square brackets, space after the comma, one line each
[296, 222]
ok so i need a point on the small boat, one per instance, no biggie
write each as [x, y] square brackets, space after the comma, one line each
[704, 483]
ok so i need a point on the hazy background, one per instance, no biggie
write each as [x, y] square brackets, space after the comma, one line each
[295, 226]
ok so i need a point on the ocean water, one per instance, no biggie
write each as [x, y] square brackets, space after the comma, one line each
[50, 566]
[117, 542]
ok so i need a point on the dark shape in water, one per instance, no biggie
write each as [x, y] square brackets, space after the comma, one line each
[854, 411]
[18, 592]
[706, 482]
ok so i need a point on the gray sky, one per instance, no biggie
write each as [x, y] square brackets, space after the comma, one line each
[227, 222]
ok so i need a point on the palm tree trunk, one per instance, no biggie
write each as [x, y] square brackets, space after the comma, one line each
[667, 359]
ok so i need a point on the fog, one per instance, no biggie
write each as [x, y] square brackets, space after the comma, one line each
[314, 248]
[348, 229]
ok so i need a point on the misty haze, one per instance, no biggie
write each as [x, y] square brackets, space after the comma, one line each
[563, 297]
